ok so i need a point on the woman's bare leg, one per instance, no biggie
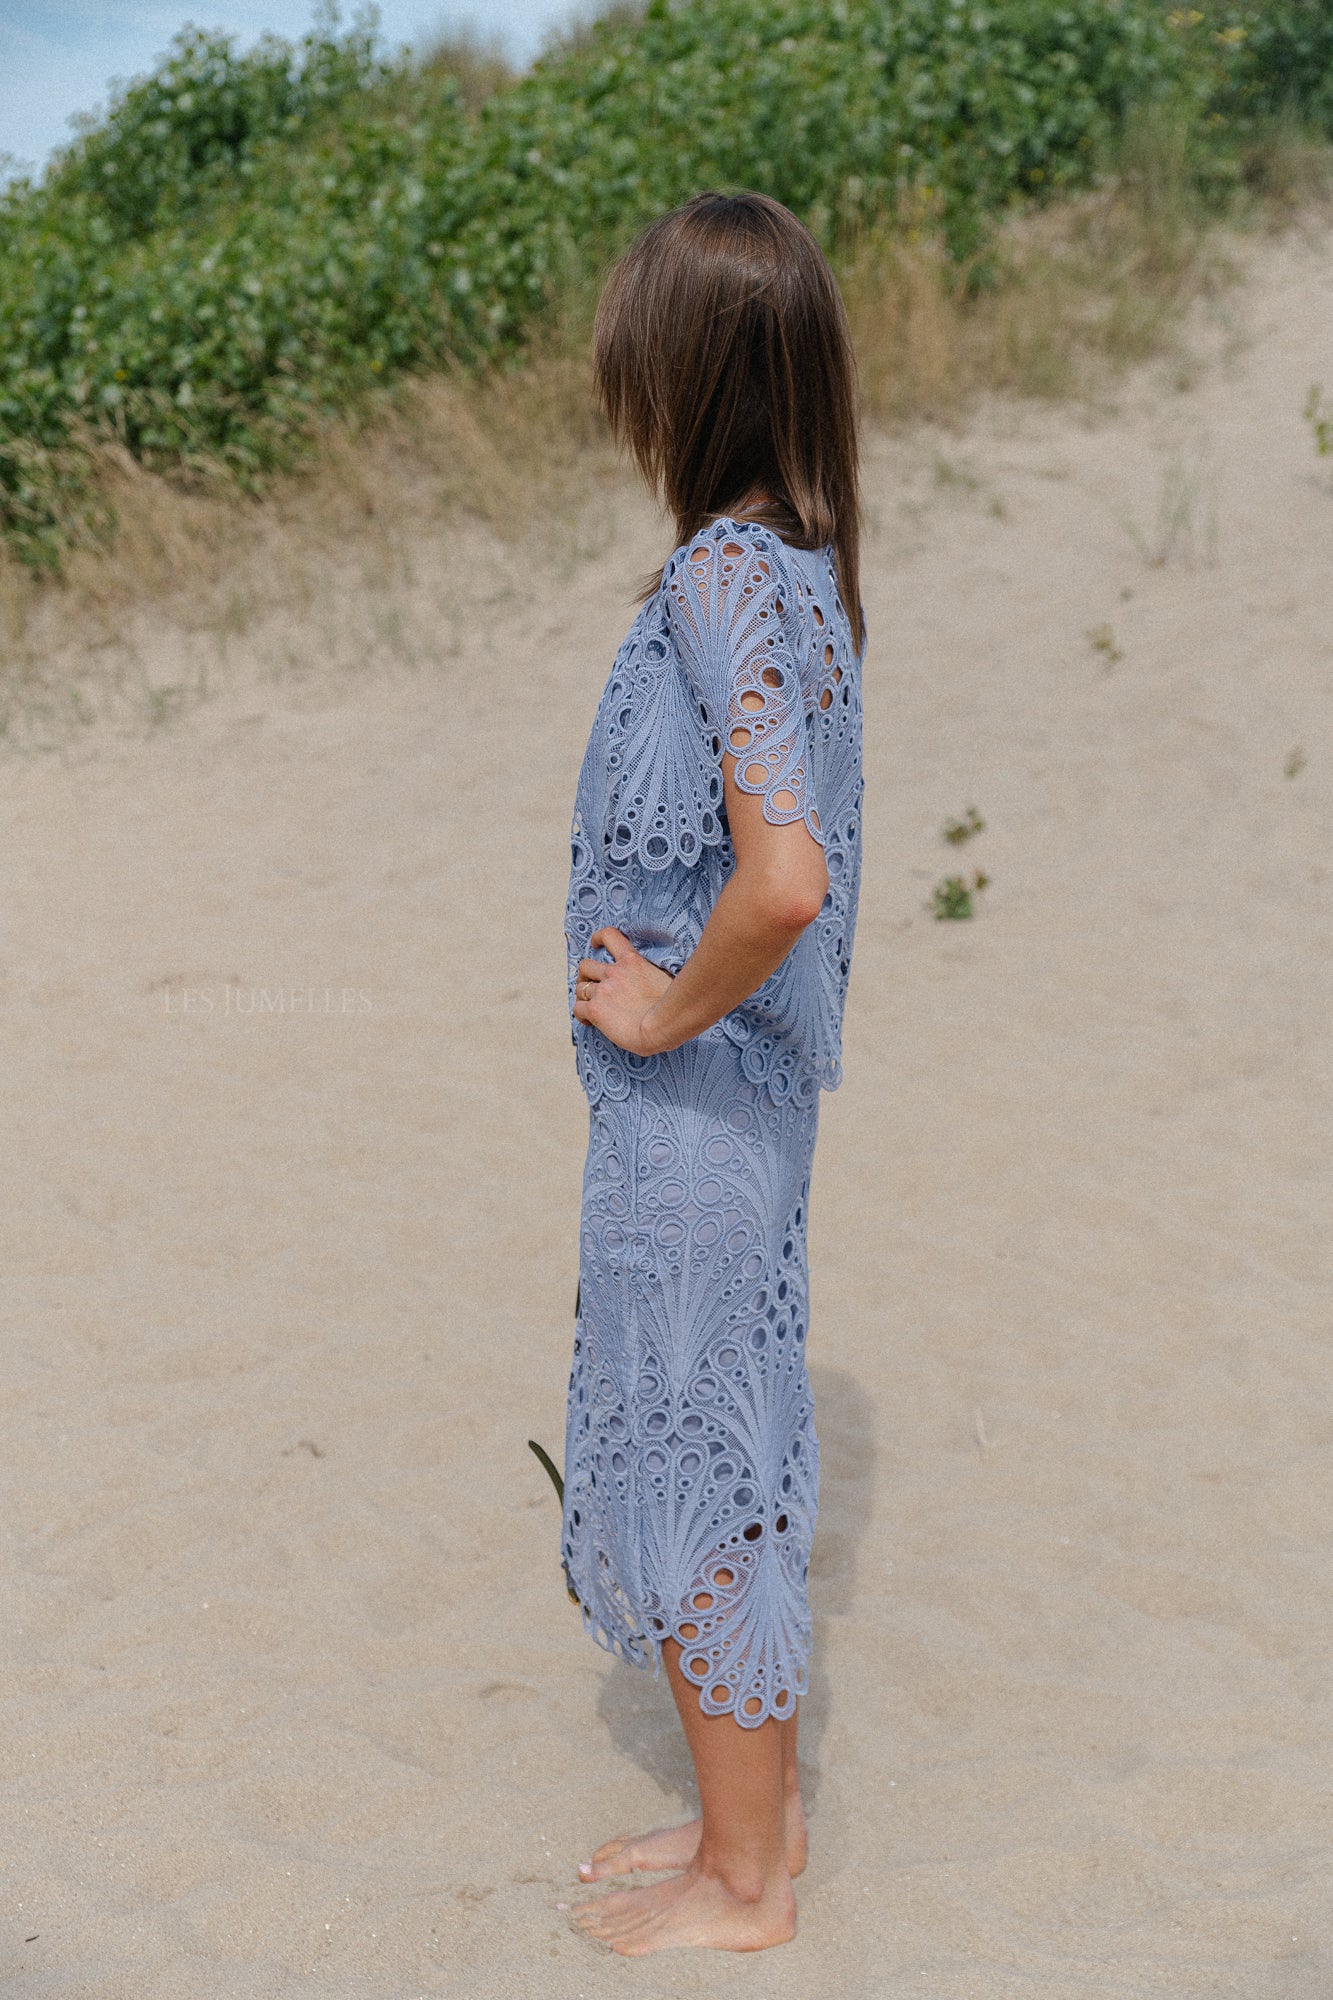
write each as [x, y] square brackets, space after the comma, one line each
[675, 1846]
[735, 1894]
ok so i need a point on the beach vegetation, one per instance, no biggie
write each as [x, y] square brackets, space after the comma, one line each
[252, 249]
[953, 899]
[956, 831]
[1102, 640]
[1319, 416]
[553, 1473]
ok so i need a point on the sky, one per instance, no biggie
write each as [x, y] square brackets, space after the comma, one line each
[58, 56]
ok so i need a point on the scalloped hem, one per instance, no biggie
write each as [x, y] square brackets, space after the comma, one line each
[774, 1708]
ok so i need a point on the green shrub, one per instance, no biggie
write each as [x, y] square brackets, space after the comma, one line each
[249, 243]
[1276, 59]
[202, 124]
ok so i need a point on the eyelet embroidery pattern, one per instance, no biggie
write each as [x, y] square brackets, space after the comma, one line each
[728, 617]
[691, 1463]
[664, 802]
[748, 637]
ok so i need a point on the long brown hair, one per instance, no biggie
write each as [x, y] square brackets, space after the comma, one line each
[723, 360]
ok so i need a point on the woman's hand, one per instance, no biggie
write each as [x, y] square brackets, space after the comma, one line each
[774, 892]
[619, 998]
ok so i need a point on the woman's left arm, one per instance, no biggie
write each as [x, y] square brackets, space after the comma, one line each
[774, 892]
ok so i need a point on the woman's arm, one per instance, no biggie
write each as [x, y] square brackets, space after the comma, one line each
[775, 890]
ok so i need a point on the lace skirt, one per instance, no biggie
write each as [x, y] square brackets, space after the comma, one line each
[691, 1464]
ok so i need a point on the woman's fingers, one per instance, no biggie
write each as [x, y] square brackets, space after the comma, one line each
[608, 939]
[616, 994]
[588, 977]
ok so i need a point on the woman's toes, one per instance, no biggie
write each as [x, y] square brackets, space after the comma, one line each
[594, 1907]
[596, 1869]
[606, 1915]
[604, 1859]
[666, 1847]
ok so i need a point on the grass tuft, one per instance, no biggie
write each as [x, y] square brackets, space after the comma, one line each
[953, 899]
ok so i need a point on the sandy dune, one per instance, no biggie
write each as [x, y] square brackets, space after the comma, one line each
[296, 1705]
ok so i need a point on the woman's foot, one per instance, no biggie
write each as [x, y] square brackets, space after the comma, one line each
[690, 1909]
[676, 1847]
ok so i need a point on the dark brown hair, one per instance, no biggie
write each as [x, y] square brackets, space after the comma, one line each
[723, 360]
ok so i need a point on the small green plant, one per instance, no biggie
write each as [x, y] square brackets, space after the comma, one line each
[559, 1486]
[1296, 761]
[948, 473]
[549, 1463]
[1185, 530]
[952, 900]
[162, 703]
[956, 831]
[1319, 416]
[1102, 640]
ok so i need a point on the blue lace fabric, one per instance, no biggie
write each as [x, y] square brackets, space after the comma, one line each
[691, 1461]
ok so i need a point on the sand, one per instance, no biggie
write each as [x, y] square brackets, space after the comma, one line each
[295, 1702]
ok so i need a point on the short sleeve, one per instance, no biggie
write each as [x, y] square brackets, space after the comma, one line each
[731, 608]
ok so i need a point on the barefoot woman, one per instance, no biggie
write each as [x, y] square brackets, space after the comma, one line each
[716, 855]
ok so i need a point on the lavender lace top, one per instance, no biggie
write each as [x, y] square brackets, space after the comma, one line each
[745, 646]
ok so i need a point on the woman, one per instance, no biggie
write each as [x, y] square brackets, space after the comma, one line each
[712, 901]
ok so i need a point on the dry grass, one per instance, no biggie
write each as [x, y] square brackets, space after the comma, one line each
[513, 449]
[578, 33]
[478, 63]
[1071, 294]
[1289, 172]
[1068, 296]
